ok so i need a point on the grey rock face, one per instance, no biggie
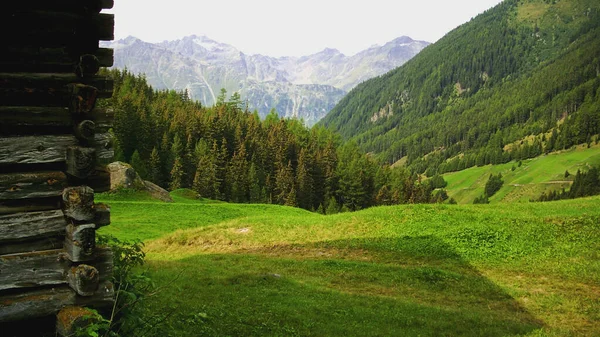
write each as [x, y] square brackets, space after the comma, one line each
[305, 87]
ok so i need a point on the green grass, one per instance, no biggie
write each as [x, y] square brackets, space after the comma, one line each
[529, 181]
[516, 269]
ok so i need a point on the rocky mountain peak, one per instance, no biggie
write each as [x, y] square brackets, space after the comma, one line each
[305, 87]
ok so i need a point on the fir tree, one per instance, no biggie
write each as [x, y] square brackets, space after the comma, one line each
[155, 172]
[139, 165]
[176, 174]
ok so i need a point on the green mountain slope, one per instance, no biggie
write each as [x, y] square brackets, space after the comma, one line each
[522, 68]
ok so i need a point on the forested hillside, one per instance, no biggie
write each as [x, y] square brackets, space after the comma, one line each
[518, 80]
[227, 153]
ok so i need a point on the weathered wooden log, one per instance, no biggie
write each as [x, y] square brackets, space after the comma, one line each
[47, 89]
[80, 242]
[83, 98]
[49, 149]
[44, 302]
[85, 131]
[78, 203]
[72, 319]
[87, 66]
[69, 6]
[37, 245]
[30, 205]
[50, 29]
[49, 60]
[102, 217]
[84, 279]
[81, 161]
[103, 143]
[35, 150]
[32, 225]
[25, 120]
[104, 119]
[51, 267]
[99, 181]
[29, 270]
[31, 185]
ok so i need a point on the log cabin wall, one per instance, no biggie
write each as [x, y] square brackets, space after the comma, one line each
[54, 145]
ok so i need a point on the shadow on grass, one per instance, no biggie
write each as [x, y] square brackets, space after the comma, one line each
[411, 286]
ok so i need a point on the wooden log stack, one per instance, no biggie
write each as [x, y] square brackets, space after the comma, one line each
[54, 145]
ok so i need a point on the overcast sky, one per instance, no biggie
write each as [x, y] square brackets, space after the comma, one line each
[293, 27]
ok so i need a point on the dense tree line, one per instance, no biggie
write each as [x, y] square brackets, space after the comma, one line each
[228, 153]
[493, 185]
[585, 184]
[467, 99]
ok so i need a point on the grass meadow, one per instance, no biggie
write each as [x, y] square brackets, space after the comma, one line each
[527, 181]
[519, 269]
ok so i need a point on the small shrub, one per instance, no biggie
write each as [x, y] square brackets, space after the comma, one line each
[130, 289]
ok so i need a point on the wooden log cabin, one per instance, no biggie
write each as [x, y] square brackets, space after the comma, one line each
[54, 145]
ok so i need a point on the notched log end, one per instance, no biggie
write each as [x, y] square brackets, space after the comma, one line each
[78, 203]
[102, 217]
[84, 279]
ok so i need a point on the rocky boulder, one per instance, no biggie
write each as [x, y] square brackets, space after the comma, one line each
[122, 175]
[157, 192]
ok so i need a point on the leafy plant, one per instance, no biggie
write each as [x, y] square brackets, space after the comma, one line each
[132, 288]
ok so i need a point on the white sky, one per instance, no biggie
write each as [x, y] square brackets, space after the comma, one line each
[294, 28]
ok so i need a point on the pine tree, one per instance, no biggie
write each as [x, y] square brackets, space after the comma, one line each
[205, 179]
[237, 175]
[290, 199]
[255, 190]
[304, 180]
[155, 172]
[284, 182]
[139, 165]
[176, 174]
[332, 206]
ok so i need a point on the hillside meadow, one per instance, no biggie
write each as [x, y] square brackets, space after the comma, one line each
[520, 269]
[525, 181]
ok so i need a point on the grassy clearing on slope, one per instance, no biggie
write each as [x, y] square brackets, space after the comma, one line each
[427, 270]
[530, 180]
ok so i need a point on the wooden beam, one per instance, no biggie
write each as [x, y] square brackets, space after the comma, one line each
[80, 242]
[55, 29]
[31, 185]
[81, 161]
[31, 270]
[45, 89]
[88, 65]
[99, 181]
[102, 217]
[27, 120]
[45, 302]
[49, 149]
[84, 279]
[41, 244]
[103, 143]
[85, 131]
[69, 6]
[51, 267]
[78, 203]
[29, 205]
[35, 149]
[32, 225]
[49, 60]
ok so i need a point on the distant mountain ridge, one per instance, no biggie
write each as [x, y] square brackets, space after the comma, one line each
[306, 87]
